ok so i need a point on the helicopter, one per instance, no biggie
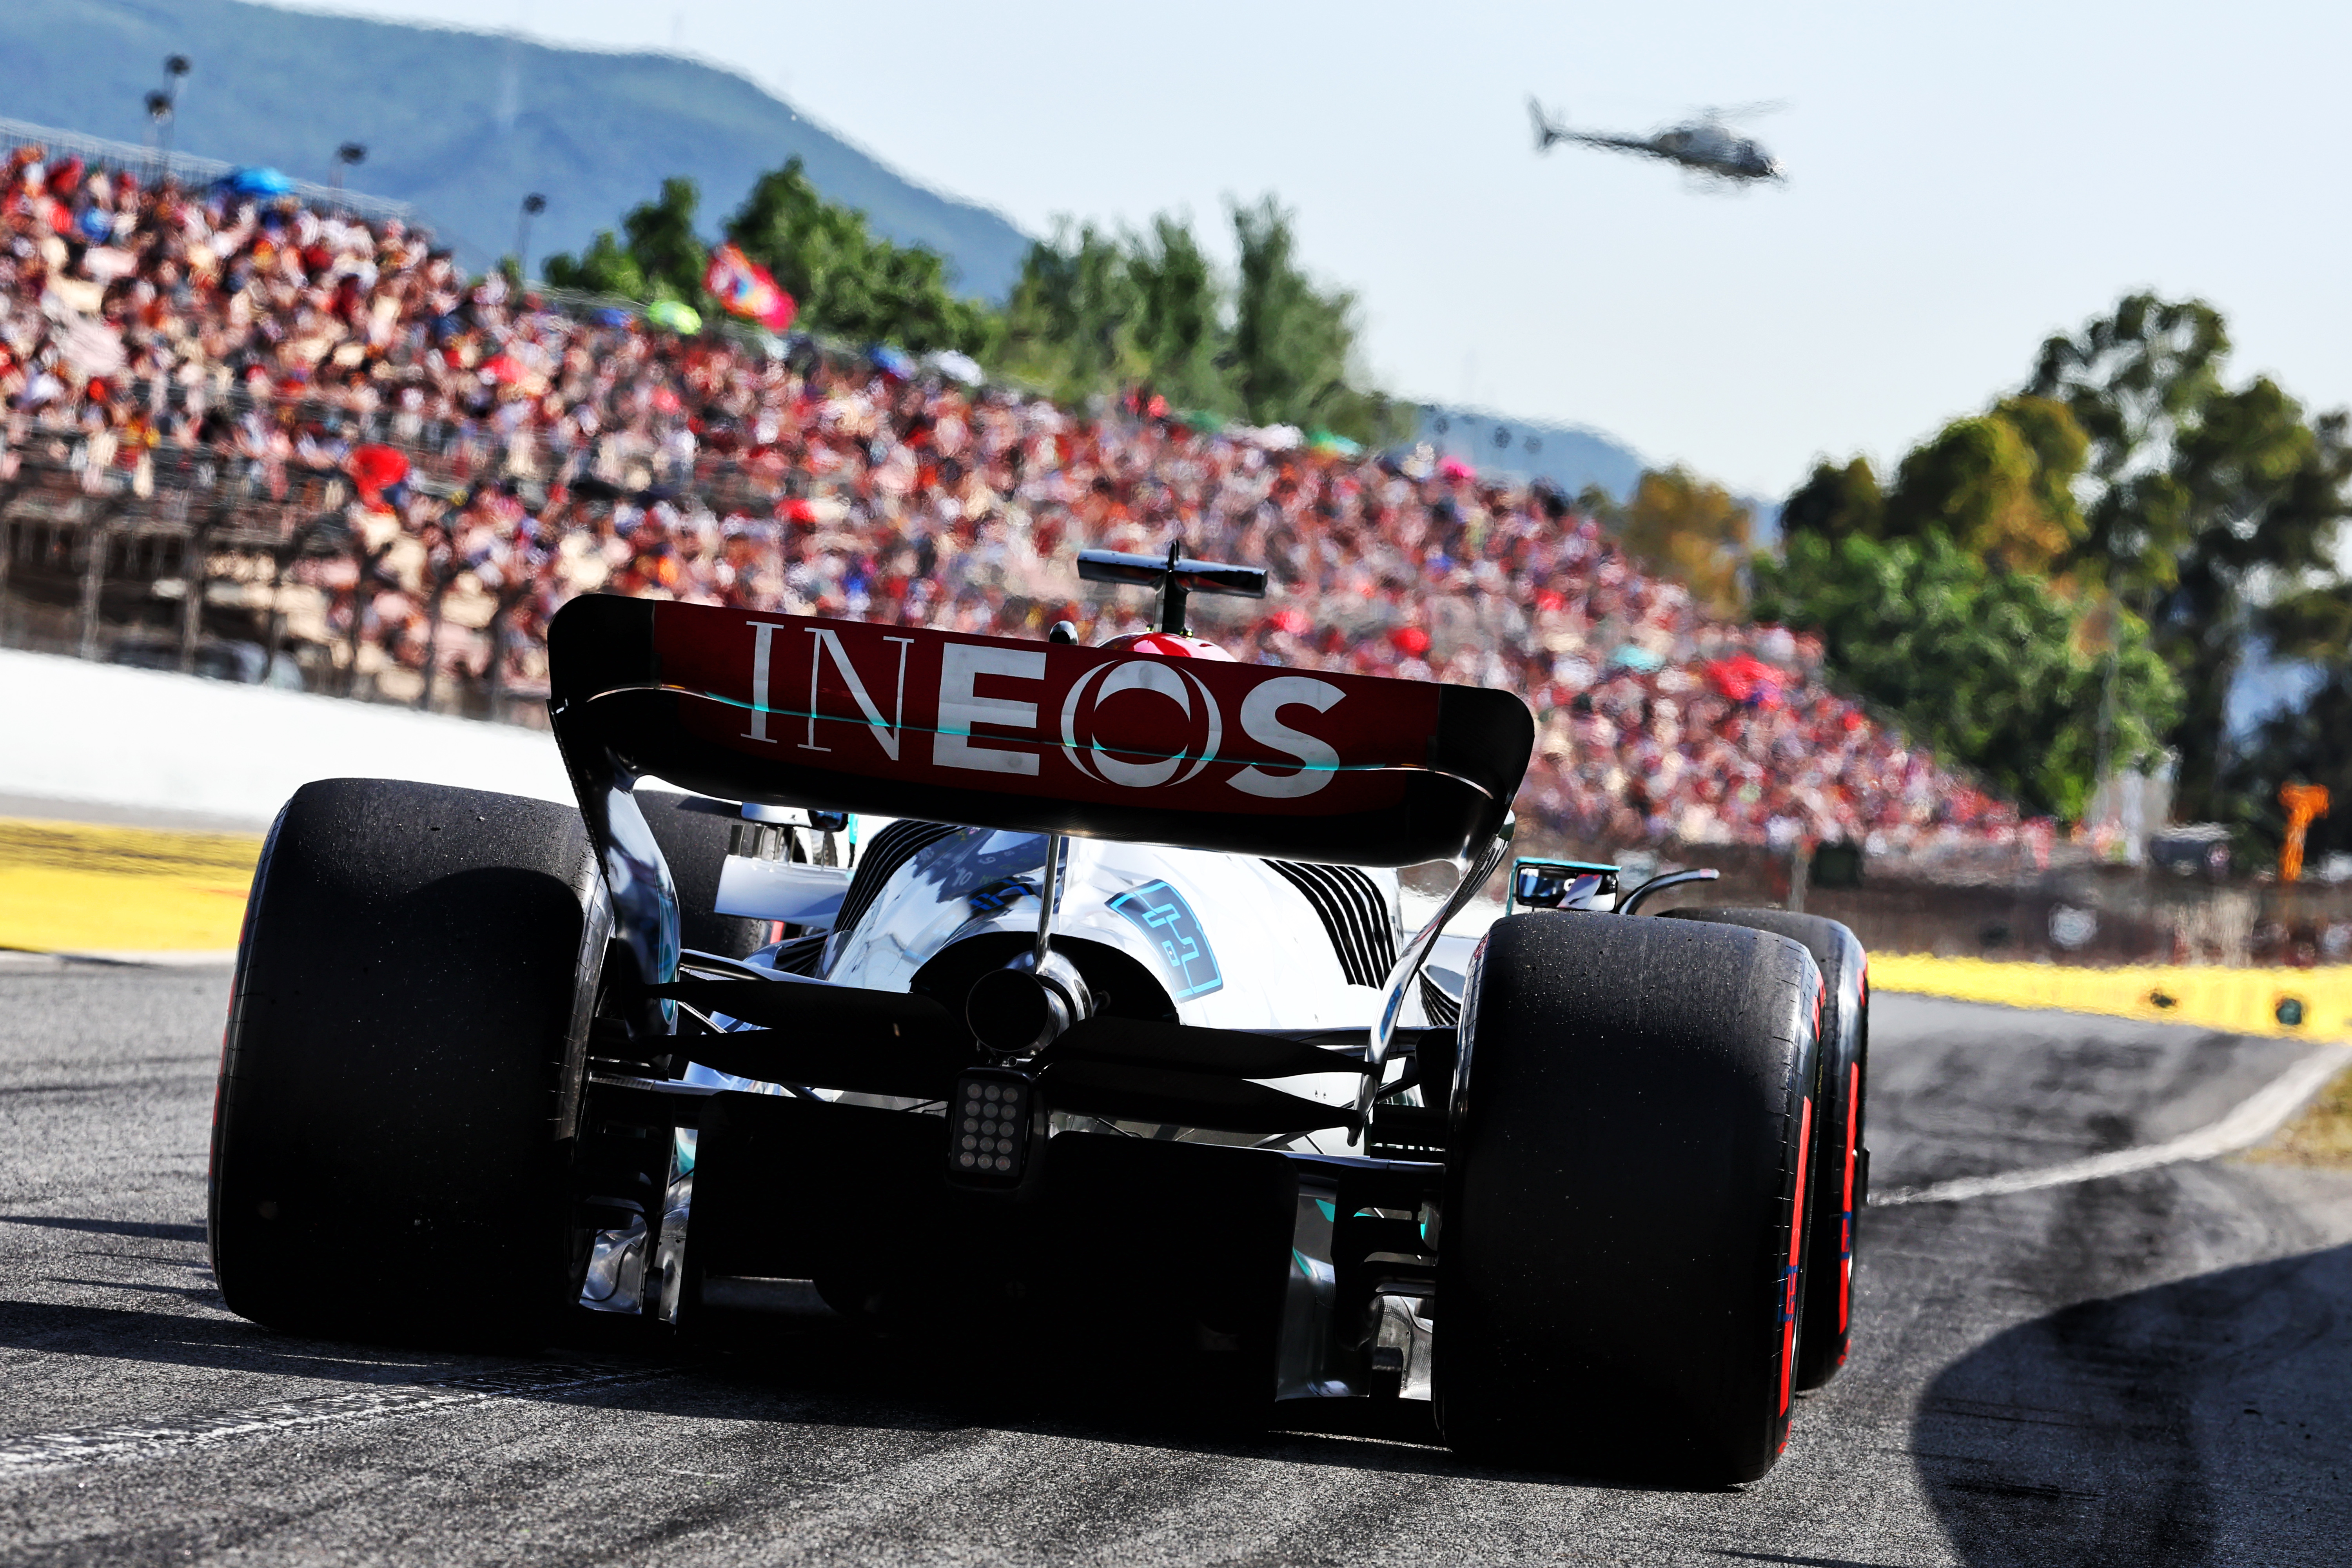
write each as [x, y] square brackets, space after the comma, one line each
[1706, 146]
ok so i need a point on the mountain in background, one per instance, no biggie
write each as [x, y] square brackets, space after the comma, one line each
[461, 124]
[1569, 457]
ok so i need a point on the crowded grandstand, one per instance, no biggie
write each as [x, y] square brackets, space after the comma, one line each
[429, 465]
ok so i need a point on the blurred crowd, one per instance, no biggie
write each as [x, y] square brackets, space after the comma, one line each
[481, 455]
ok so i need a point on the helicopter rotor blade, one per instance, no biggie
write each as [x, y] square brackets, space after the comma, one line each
[1722, 114]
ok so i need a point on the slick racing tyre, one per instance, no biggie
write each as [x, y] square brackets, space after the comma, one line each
[1618, 1290]
[387, 1159]
[1840, 1156]
[695, 844]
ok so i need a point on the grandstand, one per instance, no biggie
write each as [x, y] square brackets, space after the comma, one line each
[280, 422]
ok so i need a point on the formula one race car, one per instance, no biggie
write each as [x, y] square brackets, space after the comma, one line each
[1096, 1032]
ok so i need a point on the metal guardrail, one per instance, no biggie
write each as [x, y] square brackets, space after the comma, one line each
[189, 169]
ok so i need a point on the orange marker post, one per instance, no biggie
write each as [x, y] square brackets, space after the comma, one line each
[2302, 803]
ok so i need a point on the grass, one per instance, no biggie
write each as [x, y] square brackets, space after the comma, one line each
[2321, 1136]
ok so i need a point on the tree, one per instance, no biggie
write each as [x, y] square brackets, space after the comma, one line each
[1690, 529]
[1291, 341]
[847, 280]
[1180, 326]
[1995, 669]
[605, 268]
[2214, 511]
[1071, 324]
[2133, 382]
[1835, 502]
[1099, 312]
[662, 258]
[1996, 485]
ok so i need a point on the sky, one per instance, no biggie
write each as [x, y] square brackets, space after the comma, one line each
[1963, 180]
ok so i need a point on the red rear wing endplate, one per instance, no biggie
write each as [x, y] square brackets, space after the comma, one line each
[1036, 737]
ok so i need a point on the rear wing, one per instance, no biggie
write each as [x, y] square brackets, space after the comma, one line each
[1030, 736]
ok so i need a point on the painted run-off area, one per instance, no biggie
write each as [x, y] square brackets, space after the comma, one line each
[72, 886]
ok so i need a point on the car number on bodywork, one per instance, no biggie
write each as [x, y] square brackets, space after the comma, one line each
[1160, 912]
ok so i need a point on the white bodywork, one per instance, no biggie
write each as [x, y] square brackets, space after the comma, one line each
[1255, 954]
[1275, 965]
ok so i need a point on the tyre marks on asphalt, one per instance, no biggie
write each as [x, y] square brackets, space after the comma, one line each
[2195, 1419]
[2255, 1119]
[84, 1445]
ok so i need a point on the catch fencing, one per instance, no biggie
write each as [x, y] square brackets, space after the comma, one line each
[159, 163]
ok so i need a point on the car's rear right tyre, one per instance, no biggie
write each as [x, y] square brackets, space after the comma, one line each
[1617, 1281]
[1841, 1125]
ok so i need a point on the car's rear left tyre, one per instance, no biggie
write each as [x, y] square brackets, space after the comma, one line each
[1617, 1281]
[413, 988]
[1840, 1155]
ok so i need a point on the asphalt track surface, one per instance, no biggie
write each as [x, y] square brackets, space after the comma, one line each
[2147, 1369]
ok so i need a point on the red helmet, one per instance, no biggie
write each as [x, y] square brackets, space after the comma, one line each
[1172, 645]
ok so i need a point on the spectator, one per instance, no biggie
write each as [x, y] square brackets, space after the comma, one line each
[498, 455]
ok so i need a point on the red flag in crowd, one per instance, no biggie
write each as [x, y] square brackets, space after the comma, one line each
[1744, 677]
[746, 289]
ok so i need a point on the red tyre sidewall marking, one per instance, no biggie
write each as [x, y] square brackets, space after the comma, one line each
[1846, 1239]
[1789, 1277]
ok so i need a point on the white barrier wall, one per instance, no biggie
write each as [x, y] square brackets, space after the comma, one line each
[140, 740]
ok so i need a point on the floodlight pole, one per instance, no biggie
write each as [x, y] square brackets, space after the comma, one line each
[346, 156]
[532, 205]
[175, 68]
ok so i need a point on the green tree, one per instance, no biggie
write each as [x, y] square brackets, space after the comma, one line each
[1070, 326]
[1996, 485]
[1691, 529]
[1997, 669]
[2133, 381]
[2215, 512]
[1096, 311]
[1179, 327]
[1835, 502]
[1291, 339]
[661, 259]
[848, 282]
[605, 267]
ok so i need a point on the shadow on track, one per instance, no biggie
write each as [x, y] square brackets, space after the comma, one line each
[2189, 1423]
[144, 1229]
[803, 1377]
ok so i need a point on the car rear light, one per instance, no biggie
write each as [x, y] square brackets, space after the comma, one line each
[989, 1127]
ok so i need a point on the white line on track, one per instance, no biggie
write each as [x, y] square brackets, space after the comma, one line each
[82, 1445]
[2261, 1115]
